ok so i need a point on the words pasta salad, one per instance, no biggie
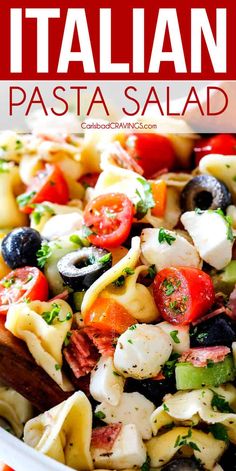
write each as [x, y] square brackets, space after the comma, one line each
[118, 299]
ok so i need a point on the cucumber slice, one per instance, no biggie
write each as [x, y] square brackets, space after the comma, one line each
[193, 377]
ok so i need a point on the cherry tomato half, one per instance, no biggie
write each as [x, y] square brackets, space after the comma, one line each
[224, 144]
[109, 217]
[27, 283]
[48, 185]
[152, 152]
[183, 294]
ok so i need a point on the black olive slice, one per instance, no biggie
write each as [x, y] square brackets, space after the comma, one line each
[182, 464]
[218, 330]
[81, 268]
[20, 246]
[205, 192]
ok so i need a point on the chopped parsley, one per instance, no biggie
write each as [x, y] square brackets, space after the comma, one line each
[169, 287]
[4, 166]
[105, 259]
[218, 403]
[49, 316]
[146, 202]
[86, 231]
[24, 199]
[166, 409]
[228, 221]
[199, 211]
[146, 465]
[57, 367]
[183, 440]
[40, 211]
[120, 281]
[165, 236]
[43, 254]
[67, 339]
[133, 327]
[201, 337]
[8, 283]
[152, 271]
[174, 336]
[115, 373]
[19, 144]
[130, 341]
[219, 431]
[76, 239]
[129, 271]
[100, 415]
[169, 366]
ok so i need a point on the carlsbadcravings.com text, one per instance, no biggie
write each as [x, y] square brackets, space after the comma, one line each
[88, 102]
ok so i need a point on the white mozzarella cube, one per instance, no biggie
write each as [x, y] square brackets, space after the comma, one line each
[61, 225]
[141, 351]
[105, 383]
[179, 336]
[128, 451]
[211, 236]
[133, 408]
[161, 254]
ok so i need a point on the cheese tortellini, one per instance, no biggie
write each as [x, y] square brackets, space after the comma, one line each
[43, 326]
[14, 409]
[222, 167]
[207, 449]
[129, 261]
[64, 432]
[195, 406]
[135, 297]
[9, 185]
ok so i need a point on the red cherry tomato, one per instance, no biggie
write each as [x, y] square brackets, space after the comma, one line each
[5, 467]
[48, 185]
[89, 179]
[183, 294]
[152, 152]
[110, 218]
[27, 283]
[224, 144]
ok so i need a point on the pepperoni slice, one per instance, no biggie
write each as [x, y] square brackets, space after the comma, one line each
[201, 356]
[81, 355]
[105, 437]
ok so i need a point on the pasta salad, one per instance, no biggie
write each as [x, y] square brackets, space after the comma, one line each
[118, 299]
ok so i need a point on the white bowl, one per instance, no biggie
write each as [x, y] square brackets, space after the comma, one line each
[21, 457]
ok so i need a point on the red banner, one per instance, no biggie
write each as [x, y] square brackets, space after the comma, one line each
[124, 40]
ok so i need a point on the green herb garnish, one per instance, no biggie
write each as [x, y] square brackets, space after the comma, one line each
[165, 236]
[40, 211]
[24, 199]
[152, 271]
[49, 316]
[8, 283]
[183, 440]
[105, 259]
[219, 431]
[169, 366]
[43, 254]
[57, 367]
[145, 202]
[67, 339]
[4, 166]
[174, 336]
[218, 403]
[228, 221]
[100, 415]
[146, 465]
[166, 409]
